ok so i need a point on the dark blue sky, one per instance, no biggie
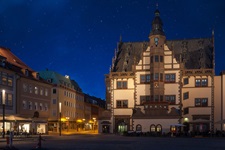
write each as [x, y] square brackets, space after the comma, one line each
[78, 38]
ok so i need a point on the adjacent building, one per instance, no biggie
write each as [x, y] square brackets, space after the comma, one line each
[33, 101]
[27, 96]
[69, 94]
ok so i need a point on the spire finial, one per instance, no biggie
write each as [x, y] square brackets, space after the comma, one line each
[157, 5]
[120, 38]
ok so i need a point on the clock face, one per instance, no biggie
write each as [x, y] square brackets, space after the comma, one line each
[156, 40]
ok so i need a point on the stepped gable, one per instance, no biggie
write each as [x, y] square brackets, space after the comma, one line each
[194, 53]
[128, 53]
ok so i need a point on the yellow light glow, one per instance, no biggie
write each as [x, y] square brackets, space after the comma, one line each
[186, 119]
[90, 121]
[63, 119]
[79, 120]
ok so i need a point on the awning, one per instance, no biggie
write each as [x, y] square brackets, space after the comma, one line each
[15, 118]
[105, 122]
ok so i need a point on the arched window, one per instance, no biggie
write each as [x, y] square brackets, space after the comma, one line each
[152, 128]
[158, 128]
[138, 127]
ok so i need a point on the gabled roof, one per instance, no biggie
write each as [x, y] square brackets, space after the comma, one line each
[13, 63]
[194, 53]
[12, 59]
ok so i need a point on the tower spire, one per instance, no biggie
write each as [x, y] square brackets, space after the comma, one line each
[157, 24]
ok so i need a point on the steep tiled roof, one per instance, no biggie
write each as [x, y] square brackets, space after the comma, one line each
[194, 53]
[12, 59]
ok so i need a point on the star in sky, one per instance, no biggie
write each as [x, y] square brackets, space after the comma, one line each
[78, 38]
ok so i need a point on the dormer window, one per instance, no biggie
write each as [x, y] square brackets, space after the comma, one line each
[49, 80]
[37, 75]
[26, 72]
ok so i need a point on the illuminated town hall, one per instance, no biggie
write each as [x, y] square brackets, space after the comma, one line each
[161, 85]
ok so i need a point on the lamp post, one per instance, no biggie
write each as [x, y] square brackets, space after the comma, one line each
[3, 113]
[60, 121]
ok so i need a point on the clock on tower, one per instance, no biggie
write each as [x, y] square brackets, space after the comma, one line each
[156, 40]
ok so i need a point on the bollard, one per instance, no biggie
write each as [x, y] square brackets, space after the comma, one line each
[11, 139]
[7, 140]
[39, 141]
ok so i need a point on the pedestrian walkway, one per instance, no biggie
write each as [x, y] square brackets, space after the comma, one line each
[73, 132]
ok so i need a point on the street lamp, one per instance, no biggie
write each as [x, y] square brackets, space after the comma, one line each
[3, 113]
[60, 121]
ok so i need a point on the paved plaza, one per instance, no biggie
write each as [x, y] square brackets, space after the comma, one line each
[117, 142]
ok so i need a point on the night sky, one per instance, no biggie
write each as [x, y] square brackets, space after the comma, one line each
[78, 37]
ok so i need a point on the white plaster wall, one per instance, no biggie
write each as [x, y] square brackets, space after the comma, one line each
[146, 59]
[200, 111]
[204, 92]
[168, 59]
[121, 111]
[124, 95]
[146, 123]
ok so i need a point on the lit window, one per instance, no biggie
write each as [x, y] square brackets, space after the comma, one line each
[10, 81]
[30, 105]
[197, 82]
[152, 128]
[35, 106]
[46, 92]
[9, 99]
[4, 78]
[41, 91]
[36, 90]
[41, 106]
[204, 82]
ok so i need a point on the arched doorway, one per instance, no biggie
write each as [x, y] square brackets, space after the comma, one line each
[122, 127]
[139, 128]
